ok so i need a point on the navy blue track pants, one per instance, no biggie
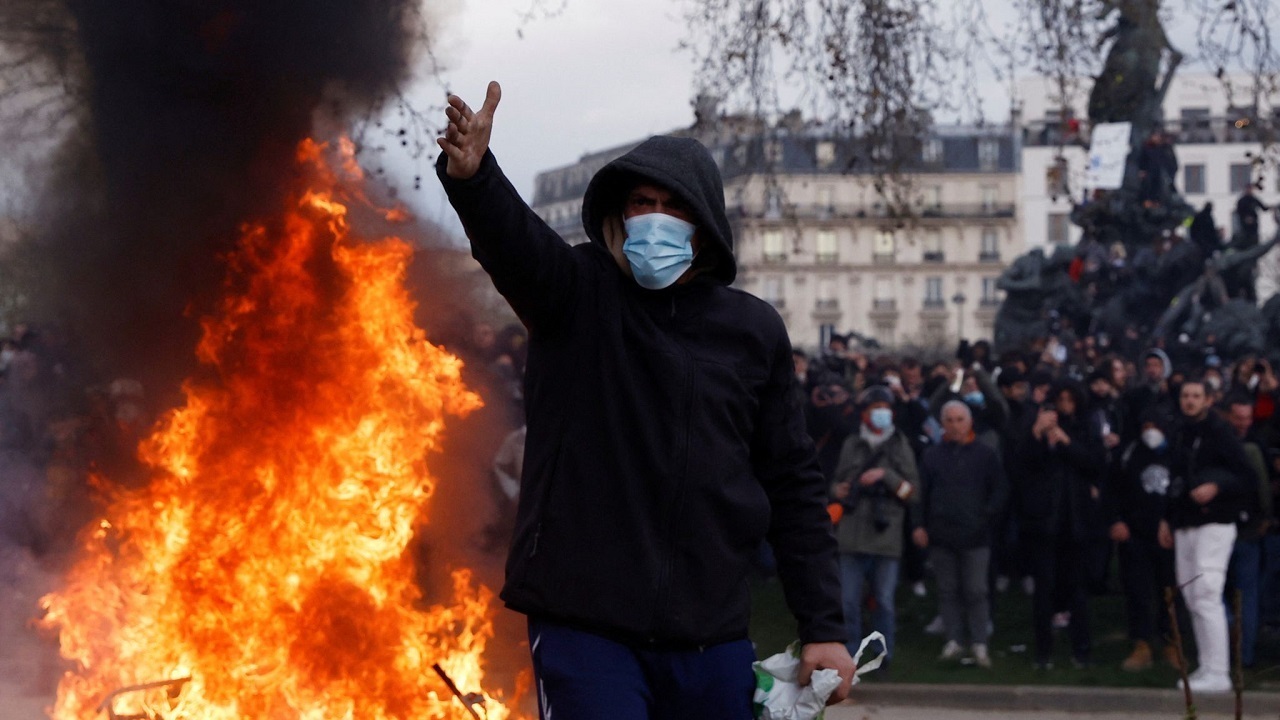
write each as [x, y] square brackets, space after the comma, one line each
[583, 676]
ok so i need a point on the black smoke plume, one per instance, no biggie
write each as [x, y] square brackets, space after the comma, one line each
[184, 116]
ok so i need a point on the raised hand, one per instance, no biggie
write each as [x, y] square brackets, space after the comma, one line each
[466, 138]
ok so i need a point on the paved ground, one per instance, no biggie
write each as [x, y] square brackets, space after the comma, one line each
[29, 671]
[888, 701]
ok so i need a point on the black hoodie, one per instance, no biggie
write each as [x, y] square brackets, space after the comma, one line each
[664, 438]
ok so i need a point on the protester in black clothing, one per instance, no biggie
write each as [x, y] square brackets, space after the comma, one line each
[830, 415]
[1150, 393]
[1247, 208]
[1135, 501]
[663, 441]
[1106, 420]
[1204, 232]
[1157, 167]
[1008, 557]
[1060, 462]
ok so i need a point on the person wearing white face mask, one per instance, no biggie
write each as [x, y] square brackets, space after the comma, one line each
[665, 440]
[1135, 503]
[876, 483]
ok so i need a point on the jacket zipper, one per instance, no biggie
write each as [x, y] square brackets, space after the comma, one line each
[663, 595]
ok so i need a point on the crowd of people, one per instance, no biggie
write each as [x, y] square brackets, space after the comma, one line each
[1035, 469]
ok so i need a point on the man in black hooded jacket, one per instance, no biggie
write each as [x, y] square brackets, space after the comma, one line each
[663, 439]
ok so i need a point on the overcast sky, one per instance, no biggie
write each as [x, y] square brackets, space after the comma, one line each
[598, 75]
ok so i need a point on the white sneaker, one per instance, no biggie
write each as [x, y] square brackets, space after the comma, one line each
[1208, 684]
[935, 626]
[951, 651]
[1061, 620]
[1028, 585]
[981, 656]
[919, 589]
[1002, 583]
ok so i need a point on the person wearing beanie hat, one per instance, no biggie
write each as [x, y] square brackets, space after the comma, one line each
[665, 442]
[877, 484]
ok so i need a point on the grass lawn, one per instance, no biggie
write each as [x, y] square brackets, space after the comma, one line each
[915, 658]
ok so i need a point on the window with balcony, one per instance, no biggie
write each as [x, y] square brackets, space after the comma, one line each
[1193, 179]
[990, 248]
[932, 246]
[990, 293]
[1059, 228]
[933, 293]
[1241, 176]
[824, 198]
[886, 247]
[988, 154]
[826, 251]
[884, 298]
[990, 198]
[932, 201]
[773, 202]
[826, 299]
[1195, 126]
[774, 248]
[772, 292]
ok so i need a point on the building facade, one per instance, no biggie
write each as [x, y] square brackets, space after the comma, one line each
[815, 239]
[1215, 140]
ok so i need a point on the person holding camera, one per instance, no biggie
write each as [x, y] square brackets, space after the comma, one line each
[1059, 462]
[876, 486]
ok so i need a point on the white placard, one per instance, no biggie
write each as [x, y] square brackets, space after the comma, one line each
[1108, 150]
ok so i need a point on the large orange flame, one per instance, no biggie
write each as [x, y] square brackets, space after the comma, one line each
[266, 560]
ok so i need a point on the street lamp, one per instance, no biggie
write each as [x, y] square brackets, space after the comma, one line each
[959, 299]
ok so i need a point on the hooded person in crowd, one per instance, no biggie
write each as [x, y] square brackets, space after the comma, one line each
[831, 415]
[664, 441]
[963, 492]
[877, 484]
[1150, 392]
[1135, 504]
[1059, 463]
[1211, 477]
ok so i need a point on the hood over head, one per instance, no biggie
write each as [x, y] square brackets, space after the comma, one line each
[686, 168]
[1164, 360]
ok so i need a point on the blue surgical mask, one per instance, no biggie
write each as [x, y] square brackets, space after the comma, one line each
[975, 399]
[881, 418]
[659, 248]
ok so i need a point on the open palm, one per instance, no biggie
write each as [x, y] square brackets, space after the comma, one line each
[466, 138]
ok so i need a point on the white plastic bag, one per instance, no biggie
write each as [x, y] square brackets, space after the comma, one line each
[779, 696]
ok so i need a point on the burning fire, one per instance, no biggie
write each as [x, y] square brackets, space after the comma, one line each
[263, 571]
